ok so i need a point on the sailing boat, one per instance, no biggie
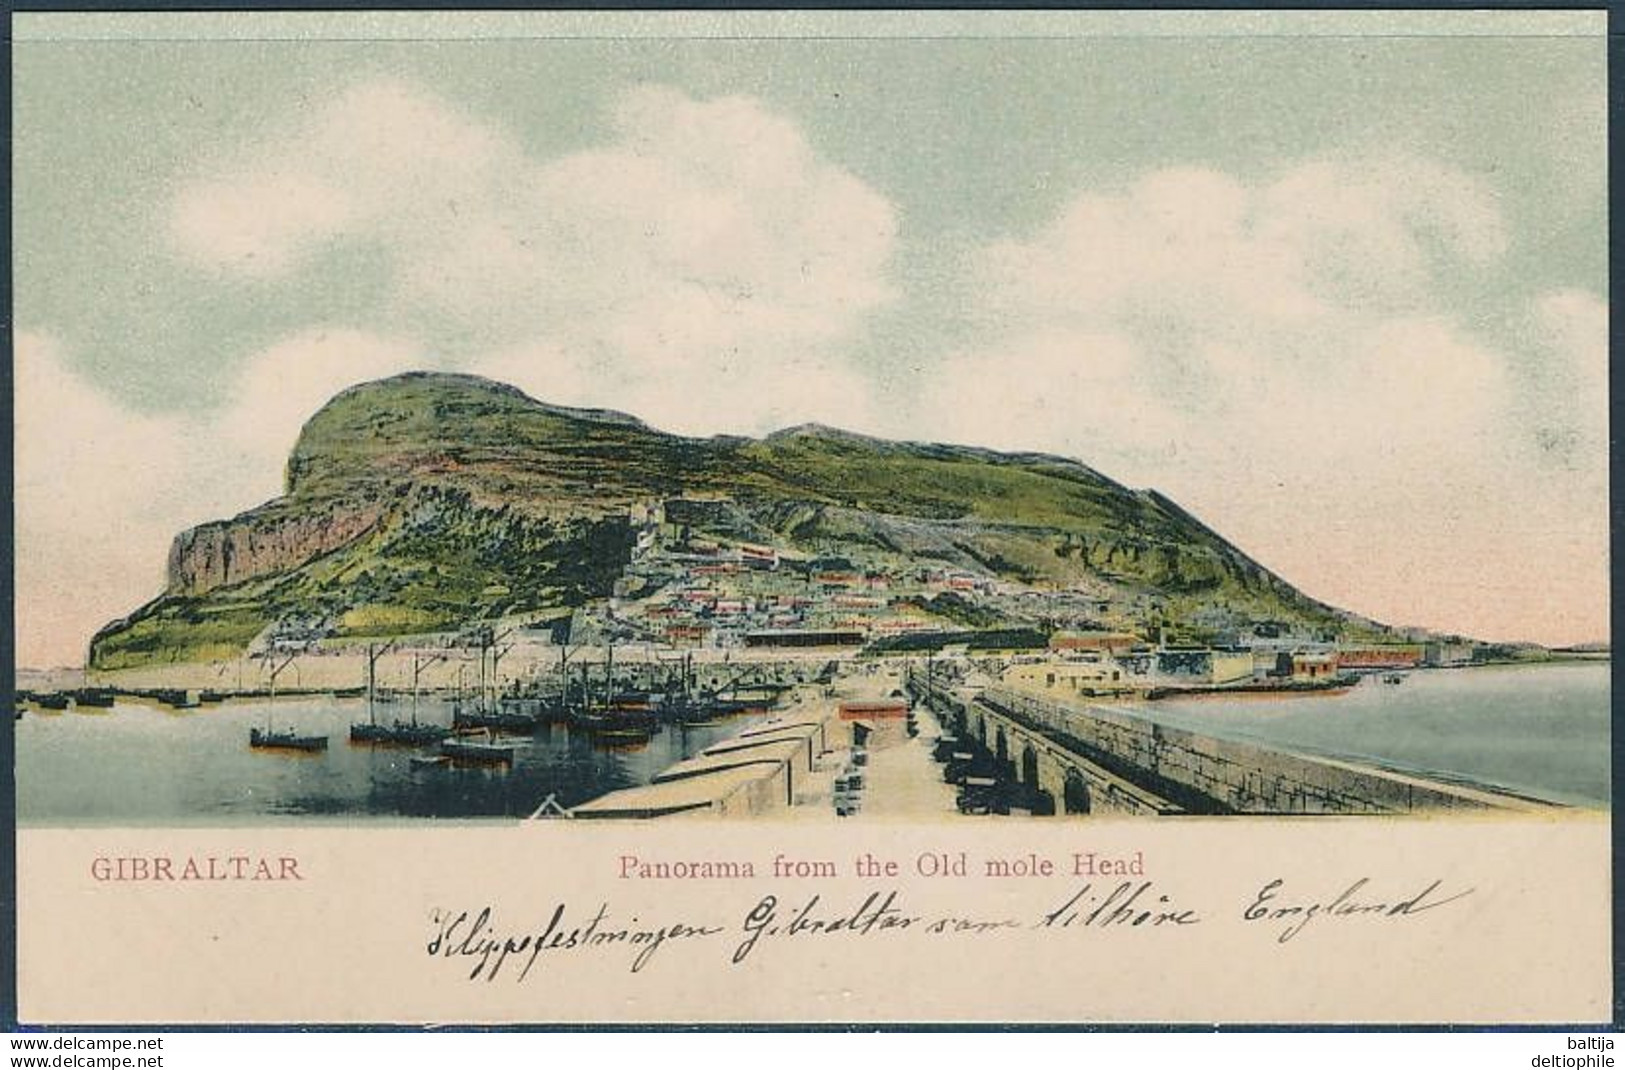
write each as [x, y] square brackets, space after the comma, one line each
[582, 715]
[492, 710]
[286, 739]
[613, 723]
[681, 702]
[372, 731]
[411, 733]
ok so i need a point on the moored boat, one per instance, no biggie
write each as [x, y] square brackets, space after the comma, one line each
[600, 722]
[503, 720]
[488, 752]
[412, 732]
[624, 737]
[286, 739]
[402, 732]
[269, 737]
[93, 697]
[177, 698]
[1322, 685]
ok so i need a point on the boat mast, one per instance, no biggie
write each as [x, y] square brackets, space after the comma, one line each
[418, 665]
[564, 675]
[498, 652]
[484, 646]
[276, 670]
[372, 679]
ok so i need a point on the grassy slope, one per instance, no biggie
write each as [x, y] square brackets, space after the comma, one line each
[500, 504]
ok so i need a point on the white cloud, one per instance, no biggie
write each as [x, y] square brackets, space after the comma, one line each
[1217, 305]
[279, 388]
[741, 400]
[1184, 248]
[94, 500]
[1283, 357]
[707, 243]
[1180, 243]
[1564, 381]
[545, 371]
[380, 160]
[259, 225]
[704, 240]
[102, 490]
[1378, 231]
[1067, 390]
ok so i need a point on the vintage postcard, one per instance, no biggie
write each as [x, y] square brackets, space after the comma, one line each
[819, 517]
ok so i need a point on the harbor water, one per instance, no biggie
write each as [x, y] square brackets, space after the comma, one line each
[141, 764]
[1539, 730]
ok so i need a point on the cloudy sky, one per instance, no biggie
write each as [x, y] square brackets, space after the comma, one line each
[1343, 295]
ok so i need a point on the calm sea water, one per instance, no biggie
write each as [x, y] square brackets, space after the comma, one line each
[1542, 730]
[1539, 730]
[139, 764]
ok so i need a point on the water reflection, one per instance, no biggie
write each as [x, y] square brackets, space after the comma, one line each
[143, 763]
[1537, 729]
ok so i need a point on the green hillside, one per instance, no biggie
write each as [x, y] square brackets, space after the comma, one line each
[425, 501]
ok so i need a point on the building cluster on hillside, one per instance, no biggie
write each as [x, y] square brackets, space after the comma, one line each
[1121, 663]
[687, 587]
[694, 584]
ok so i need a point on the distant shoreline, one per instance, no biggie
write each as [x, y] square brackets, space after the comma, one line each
[154, 684]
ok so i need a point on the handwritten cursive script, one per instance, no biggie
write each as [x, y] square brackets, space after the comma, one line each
[1271, 904]
[478, 939]
[1127, 904]
[487, 947]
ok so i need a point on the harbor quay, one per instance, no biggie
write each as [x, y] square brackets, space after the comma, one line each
[856, 748]
[437, 666]
[1084, 757]
[643, 732]
[990, 750]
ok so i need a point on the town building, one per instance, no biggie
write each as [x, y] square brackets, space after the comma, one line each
[1105, 642]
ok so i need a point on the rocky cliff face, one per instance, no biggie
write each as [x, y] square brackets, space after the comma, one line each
[225, 552]
[426, 501]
